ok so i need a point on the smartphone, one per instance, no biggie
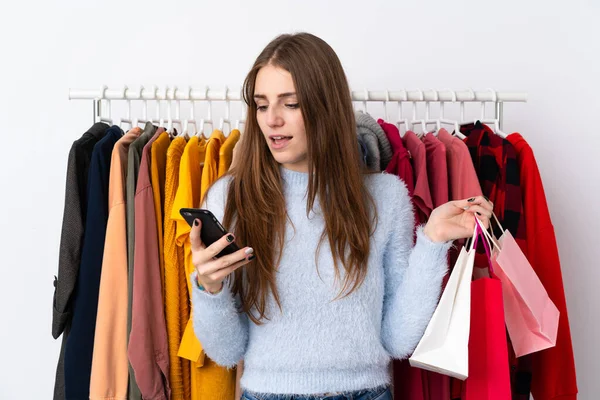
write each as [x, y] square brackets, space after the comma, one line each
[211, 231]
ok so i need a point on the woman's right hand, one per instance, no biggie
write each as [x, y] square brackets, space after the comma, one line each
[213, 271]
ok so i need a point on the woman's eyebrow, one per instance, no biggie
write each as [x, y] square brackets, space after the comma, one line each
[281, 95]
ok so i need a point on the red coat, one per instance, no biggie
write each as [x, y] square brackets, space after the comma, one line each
[553, 370]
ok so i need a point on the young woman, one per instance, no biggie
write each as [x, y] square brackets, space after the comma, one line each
[333, 286]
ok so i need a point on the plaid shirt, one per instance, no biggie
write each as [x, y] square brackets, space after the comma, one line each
[495, 161]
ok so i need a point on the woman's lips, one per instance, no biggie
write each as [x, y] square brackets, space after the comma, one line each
[279, 142]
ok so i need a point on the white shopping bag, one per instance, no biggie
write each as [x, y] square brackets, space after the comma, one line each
[444, 345]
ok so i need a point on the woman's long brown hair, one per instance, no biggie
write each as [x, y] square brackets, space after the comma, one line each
[255, 209]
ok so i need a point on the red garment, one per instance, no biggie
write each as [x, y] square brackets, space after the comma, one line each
[437, 169]
[422, 195]
[553, 370]
[462, 178]
[400, 164]
[148, 348]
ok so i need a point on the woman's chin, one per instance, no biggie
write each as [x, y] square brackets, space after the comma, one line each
[282, 158]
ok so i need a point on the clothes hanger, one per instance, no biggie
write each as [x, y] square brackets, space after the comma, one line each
[226, 120]
[158, 120]
[497, 130]
[385, 103]
[143, 121]
[364, 102]
[191, 120]
[126, 120]
[108, 120]
[462, 111]
[241, 120]
[186, 128]
[170, 121]
[203, 123]
[454, 123]
[488, 121]
[177, 120]
[208, 120]
[161, 121]
[458, 133]
[402, 120]
[429, 121]
[416, 121]
[495, 123]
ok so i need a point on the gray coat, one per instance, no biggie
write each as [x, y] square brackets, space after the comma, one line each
[71, 241]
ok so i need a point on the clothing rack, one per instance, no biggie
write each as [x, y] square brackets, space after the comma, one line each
[207, 94]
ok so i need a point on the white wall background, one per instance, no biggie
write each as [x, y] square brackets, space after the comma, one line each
[549, 49]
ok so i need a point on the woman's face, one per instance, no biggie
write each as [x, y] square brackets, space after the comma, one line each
[280, 118]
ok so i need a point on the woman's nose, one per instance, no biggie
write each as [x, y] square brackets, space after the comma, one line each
[274, 118]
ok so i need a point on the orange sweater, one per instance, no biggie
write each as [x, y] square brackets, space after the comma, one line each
[177, 311]
[210, 172]
[226, 151]
[209, 380]
[158, 164]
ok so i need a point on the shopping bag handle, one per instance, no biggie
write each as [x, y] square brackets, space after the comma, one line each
[499, 225]
[498, 221]
[480, 231]
[490, 238]
[474, 240]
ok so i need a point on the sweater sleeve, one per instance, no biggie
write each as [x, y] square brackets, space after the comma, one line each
[413, 278]
[71, 243]
[222, 331]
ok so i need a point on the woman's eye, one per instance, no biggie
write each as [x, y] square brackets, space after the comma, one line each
[291, 106]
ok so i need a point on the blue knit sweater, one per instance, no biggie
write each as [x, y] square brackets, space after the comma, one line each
[317, 345]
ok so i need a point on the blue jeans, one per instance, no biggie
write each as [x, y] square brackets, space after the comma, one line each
[380, 393]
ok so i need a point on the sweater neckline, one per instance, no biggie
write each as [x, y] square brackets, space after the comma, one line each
[295, 179]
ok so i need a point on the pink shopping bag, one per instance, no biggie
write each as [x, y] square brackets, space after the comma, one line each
[531, 317]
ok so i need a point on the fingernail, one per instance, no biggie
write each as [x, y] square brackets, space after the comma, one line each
[478, 213]
[252, 257]
[196, 222]
[471, 199]
[249, 250]
[486, 199]
[229, 238]
[465, 208]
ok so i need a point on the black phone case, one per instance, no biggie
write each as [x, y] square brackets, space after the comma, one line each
[211, 231]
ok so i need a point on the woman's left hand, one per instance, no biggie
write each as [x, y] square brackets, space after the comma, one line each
[454, 220]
